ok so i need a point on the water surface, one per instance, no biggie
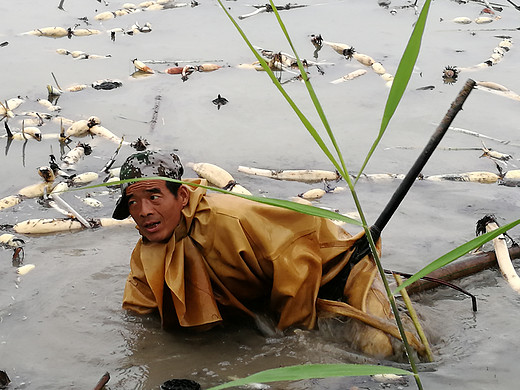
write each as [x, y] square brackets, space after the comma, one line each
[61, 325]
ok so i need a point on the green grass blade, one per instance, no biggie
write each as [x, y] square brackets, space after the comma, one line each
[402, 76]
[293, 105]
[309, 371]
[286, 204]
[349, 181]
[310, 89]
[456, 253]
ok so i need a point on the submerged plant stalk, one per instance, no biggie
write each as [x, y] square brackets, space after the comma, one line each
[415, 319]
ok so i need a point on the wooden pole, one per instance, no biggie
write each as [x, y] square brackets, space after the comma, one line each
[462, 268]
[334, 289]
[425, 155]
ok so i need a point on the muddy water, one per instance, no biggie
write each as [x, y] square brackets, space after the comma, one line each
[61, 325]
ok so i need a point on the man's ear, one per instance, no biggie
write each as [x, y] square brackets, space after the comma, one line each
[183, 194]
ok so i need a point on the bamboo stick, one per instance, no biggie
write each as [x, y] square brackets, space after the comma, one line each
[65, 205]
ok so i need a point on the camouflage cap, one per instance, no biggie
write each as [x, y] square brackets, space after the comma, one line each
[146, 164]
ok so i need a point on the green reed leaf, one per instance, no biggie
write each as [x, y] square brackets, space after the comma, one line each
[310, 128]
[309, 371]
[402, 77]
[312, 93]
[286, 204]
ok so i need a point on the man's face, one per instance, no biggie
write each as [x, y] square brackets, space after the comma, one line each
[155, 209]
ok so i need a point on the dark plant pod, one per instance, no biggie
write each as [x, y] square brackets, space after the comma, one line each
[4, 380]
[180, 384]
[106, 84]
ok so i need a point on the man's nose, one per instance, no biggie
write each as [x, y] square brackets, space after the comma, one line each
[146, 208]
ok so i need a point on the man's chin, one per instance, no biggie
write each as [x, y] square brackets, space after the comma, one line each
[155, 237]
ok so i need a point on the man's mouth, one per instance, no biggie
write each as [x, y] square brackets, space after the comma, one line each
[151, 225]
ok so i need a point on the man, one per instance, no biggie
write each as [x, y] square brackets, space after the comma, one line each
[205, 257]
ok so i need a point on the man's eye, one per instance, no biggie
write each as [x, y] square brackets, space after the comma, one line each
[131, 202]
[154, 197]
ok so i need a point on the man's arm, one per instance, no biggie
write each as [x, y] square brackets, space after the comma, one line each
[296, 281]
[138, 296]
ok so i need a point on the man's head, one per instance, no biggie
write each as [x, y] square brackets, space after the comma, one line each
[155, 205]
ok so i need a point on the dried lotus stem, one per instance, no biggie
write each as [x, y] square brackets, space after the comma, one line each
[303, 175]
[504, 260]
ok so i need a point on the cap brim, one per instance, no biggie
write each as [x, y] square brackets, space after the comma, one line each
[121, 210]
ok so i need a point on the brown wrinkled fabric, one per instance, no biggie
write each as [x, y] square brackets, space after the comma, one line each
[230, 252]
